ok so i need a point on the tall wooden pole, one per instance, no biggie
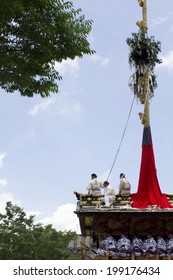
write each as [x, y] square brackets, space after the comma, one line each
[145, 117]
[144, 12]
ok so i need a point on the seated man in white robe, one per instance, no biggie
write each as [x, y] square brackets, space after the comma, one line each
[124, 185]
[109, 194]
[94, 186]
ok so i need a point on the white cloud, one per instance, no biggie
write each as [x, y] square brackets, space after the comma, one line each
[70, 109]
[43, 106]
[4, 198]
[68, 66]
[3, 182]
[159, 21]
[167, 61]
[63, 218]
[2, 157]
[105, 61]
[32, 213]
[64, 106]
[100, 59]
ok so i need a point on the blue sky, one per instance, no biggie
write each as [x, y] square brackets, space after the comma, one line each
[49, 147]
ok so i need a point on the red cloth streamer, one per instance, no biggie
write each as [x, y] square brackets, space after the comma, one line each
[149, 192]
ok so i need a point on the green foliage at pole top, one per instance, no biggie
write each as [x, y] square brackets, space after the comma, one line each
[33, 36]
[23, 239]
[143, 50]
[143, 57]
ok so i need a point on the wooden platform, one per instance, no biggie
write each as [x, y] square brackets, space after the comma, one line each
[96, 219]
[88, 200]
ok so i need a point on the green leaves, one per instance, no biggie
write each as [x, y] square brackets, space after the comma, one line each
[33, 36]
[23, 239]
[143, 57]
[143, 50]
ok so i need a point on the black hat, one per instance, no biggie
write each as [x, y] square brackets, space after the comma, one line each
[94, 175]
[122, 175]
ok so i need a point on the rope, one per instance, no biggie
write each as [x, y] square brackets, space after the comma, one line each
[115, 158]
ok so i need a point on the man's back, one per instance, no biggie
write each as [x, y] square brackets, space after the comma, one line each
[124, 187]
[94, 186]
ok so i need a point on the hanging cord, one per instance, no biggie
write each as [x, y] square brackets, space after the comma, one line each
[121, 139]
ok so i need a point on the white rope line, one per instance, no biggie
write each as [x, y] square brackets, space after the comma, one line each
[121, 139]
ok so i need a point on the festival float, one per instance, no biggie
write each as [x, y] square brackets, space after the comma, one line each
[149, 210]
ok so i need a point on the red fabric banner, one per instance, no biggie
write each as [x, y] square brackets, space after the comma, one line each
[149, 192]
